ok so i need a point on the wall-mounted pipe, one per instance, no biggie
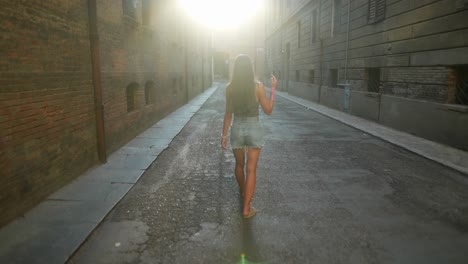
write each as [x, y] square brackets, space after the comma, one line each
[347, 43]
[96, 69]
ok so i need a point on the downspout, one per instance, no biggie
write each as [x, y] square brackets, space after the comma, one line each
[321, 70]
[321, 52]
[283, 64]
[347, 44]
[96, 69]
[212, 56]
[186, 64]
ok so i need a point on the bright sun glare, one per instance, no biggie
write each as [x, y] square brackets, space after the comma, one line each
[221, 14]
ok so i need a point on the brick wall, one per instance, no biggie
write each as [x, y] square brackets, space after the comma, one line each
[137, 52]
[425, 83]
[47, 128]
[47, 113]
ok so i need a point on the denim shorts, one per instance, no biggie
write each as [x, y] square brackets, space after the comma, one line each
[247, 132]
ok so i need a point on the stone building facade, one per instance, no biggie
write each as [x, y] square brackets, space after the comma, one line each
[401, 63]
[69, 96]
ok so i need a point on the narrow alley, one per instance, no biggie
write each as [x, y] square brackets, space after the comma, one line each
[113, 132]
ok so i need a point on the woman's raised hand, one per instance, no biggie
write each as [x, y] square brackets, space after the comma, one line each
[273, 88]
[273, 81]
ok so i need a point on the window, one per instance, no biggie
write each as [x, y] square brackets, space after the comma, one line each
[461, 94]
[314, 26]
[298, 76]
[461, 4]
[376, 11]
[129, 8]
[131, 96]
[311, 76]
[149, 92]
[299, 34]
[336, 17]
[373, 80]
[333, 78]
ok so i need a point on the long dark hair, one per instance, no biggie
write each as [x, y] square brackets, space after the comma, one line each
[243, 85]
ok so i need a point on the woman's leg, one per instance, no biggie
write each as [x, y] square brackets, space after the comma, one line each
[239, 154]
[252, 160]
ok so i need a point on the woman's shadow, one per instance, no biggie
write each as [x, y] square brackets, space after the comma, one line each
[249, 249]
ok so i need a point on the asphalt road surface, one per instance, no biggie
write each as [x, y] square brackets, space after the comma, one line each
[326, 193]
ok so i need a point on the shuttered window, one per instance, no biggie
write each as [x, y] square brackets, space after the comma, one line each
[311, 76]
[336, 17]
[314, 26]
[376, 11]
[299, 33]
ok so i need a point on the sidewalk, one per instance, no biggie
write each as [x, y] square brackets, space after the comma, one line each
[448, 156]
[53, 230]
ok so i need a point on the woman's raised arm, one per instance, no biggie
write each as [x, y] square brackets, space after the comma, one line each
[267, 104]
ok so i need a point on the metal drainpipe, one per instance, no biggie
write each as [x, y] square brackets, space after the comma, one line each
[347, 44]
[321, 53]
[96, 68]
[186, 63]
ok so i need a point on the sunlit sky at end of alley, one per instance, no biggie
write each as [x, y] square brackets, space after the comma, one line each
[221, 14]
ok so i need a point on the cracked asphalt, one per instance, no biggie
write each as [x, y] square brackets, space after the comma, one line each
[326, 193]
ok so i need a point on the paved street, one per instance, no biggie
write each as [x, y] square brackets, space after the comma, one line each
[326, 193]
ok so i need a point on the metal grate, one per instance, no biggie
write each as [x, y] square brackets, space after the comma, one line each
[311, 76]
[373, 82]
[461, 94]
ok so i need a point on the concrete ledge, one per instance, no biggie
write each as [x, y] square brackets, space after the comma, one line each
[365, 104]
[447, 124]
[448, 156]
[307, 91]
[332, 97]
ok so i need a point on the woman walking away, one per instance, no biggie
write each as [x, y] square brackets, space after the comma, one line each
[243, 95]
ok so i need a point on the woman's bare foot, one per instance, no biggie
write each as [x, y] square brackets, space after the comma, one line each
[250, 213]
